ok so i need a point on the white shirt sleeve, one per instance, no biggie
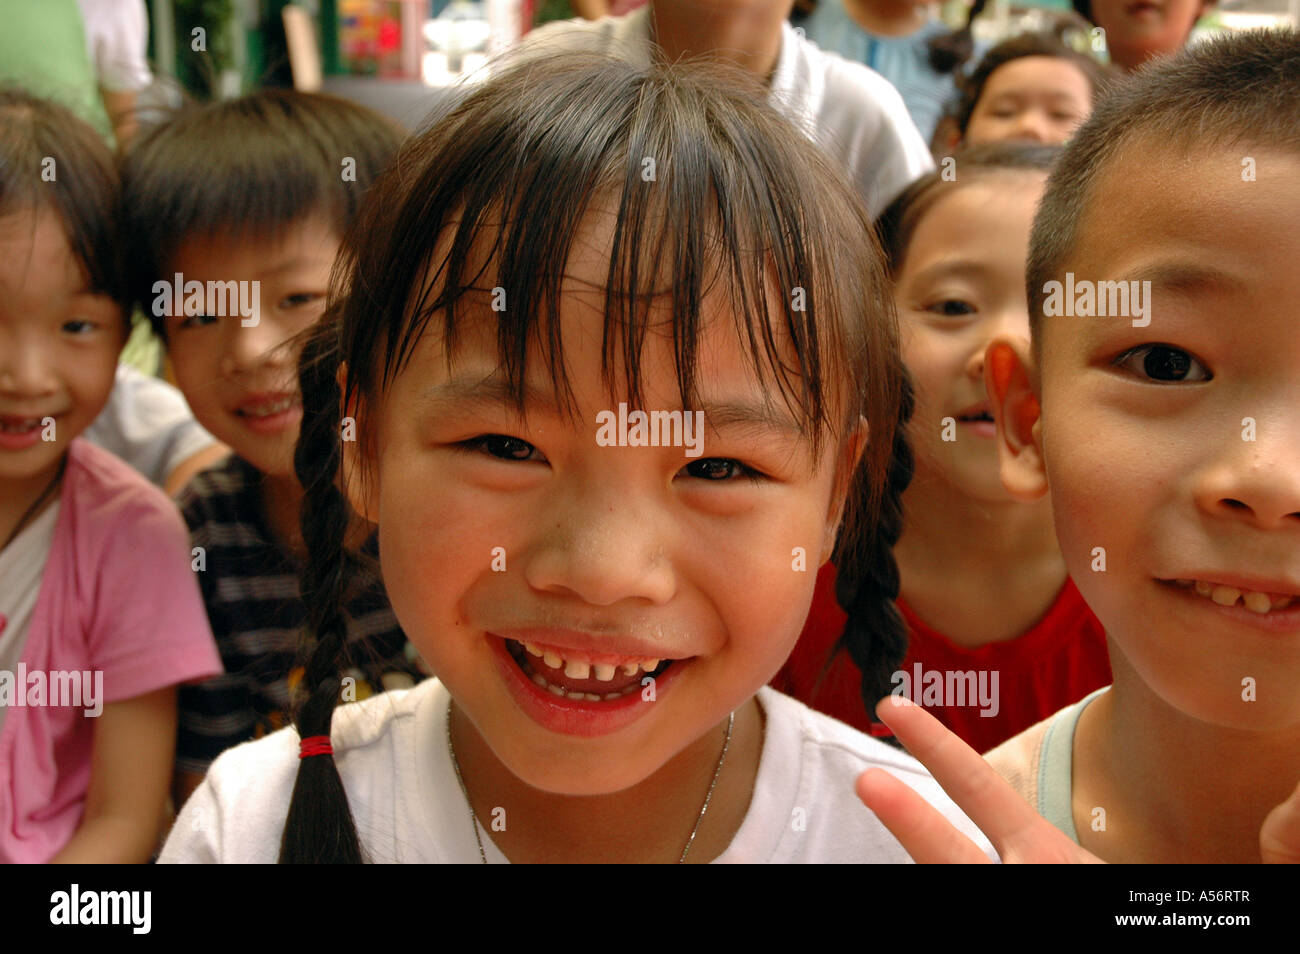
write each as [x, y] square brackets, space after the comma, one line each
[117, 36]
[147, 423]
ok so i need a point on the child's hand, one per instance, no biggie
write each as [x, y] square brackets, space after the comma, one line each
[1019, 834]
[1279, 836]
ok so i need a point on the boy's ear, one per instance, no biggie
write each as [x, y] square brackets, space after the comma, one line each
[358, 484]
[1008, 376]
[844, 482]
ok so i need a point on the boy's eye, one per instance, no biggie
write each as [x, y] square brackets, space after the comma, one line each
[951, 308]
[719, 469]
[1164, 363]
[503, 447]
[298, 300]
[79, 326]
[197, 321]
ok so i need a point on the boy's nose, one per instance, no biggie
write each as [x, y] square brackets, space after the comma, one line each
[248, 348]
[1257, 480]
[603, 548]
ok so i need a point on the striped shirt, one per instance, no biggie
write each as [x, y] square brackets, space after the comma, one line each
[250, 589]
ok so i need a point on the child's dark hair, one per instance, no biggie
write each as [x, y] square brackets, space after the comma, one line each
[951, 50]
[51, 158]
[251, 166]
[738, 199]
[971, 88]
[899, 220]
[1233, 90]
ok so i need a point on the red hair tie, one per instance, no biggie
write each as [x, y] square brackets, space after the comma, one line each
[315, 745]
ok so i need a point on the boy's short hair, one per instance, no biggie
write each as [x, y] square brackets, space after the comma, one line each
[247, 167]
[1237, 88]
[52, 158]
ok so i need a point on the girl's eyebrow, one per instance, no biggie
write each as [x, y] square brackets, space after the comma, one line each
[493, 391]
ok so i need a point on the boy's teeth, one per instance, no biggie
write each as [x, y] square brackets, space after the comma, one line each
[577, 670]
[1226, 595]
[604, 671]
[1258, 602]
[532, 650]
[649, 665]
[553, 659]
[629, 669]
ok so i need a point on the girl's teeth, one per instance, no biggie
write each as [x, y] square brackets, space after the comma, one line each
[604, 671]
[532, 650]
[649, 665]
[1225, 595]
[552, 659]
[1205, 589]
[629, 669]
[554, 689]
[577, 670]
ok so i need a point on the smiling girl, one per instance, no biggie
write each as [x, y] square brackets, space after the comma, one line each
[601, 620]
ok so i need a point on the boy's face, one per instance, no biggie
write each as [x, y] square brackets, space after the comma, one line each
[608, 554]
[1137, 30]
[1175, 447]
[1034, 99]
[960, 286]
[241, 380]
[59, 345]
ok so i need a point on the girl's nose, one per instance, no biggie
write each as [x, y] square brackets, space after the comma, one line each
[1030, 125]
[26, 369]
[603, 549]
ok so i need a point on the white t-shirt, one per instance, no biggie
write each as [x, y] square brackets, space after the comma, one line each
[391, 751]
[117, 35]
[852, 111]
[22, 568]
[148, 424]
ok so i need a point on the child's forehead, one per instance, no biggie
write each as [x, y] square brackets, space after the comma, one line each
[1215, 237]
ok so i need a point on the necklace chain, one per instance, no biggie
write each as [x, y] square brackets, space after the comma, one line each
[36, 505]
[473, 818]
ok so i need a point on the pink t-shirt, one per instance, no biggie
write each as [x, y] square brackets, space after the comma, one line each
[117, 597]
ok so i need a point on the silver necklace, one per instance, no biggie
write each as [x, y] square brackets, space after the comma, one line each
[473, 818]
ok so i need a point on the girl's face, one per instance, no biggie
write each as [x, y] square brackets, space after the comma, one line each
[241, 380]
[59, 344]
[1175, 445]
[1034, 98]
[961, 285]
[499, 534]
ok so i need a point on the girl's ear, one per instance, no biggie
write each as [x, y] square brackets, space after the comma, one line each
[847, 467]
[1008, 375]
[359, 484]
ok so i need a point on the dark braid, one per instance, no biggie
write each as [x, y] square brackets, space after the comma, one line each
[950, 51]
[866, 582]
[320, 828]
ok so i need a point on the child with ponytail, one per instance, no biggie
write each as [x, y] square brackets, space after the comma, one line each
[998, 636]
[601, 596]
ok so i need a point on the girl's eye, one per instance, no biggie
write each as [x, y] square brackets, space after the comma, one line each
[79, 326]
[503, 447]
[298, 300]
[1164, 363]
[720, 469]
[952, 308]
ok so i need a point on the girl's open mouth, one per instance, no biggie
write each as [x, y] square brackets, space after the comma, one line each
[582, 696]
[578, 679]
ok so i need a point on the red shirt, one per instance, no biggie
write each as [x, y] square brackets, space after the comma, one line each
[1056, 663]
